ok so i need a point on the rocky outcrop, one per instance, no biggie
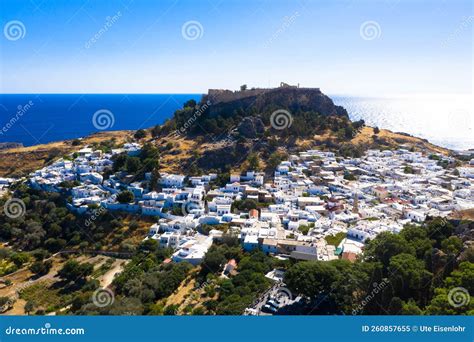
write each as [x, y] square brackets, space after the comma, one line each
[293, 99]
[251, 127]
[229, 155]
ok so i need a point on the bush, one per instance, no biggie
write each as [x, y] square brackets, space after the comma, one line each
[74, 271]
[125, 197]
[41, 267]
[140, 134]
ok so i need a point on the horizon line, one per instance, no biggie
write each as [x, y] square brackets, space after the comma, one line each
[204, 93]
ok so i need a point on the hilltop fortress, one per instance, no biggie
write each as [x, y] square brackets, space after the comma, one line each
[290, 97]
[224, 95]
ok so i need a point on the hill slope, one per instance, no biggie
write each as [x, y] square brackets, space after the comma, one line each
[20, 161]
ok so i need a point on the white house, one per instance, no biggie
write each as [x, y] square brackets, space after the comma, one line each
[171, 180]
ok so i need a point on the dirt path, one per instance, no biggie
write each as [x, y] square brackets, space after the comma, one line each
[108, 277]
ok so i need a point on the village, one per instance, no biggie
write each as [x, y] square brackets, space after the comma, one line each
[312, 197]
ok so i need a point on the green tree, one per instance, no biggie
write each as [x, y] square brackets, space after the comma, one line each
[133, 164]
[385, 246]
[408, 277]
[41, 267]
[310, 278]
[140, 134]
[19, 258]
[213, 260]
[253, 161]
[304, 229]
[29, 307]
[190, 104]
[411, 308]
[395, 306]
[155, 179]
[417, 237]
[125, 197]
[75, 271]
[439, 229]
[275, 159]
[156, 131]
[245, 205]
[171, 310]
[452, 245]
[4, 301]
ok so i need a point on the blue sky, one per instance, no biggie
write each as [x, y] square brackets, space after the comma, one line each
[409, 46]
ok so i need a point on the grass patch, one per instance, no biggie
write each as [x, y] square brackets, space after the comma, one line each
[335, 240]
[104, 268]
[43, 295]
[7, 267]
[371, 219]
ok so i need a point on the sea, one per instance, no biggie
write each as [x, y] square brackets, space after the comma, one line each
[31, 119]
[445, 120]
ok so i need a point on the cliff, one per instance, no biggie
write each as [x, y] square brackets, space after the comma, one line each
[261, 99]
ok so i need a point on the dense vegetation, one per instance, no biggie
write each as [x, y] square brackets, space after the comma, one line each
[146, 161]
[144, 281]
[48, 225]
[408, 273]
[237, 292]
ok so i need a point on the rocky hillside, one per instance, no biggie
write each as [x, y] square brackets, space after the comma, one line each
[294, 99]
[230, 130]
[185, 154]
